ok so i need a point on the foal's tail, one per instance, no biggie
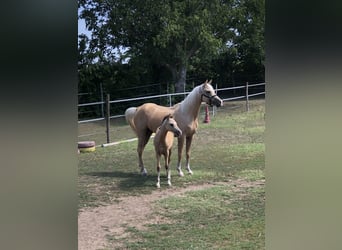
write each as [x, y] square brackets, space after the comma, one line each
[129, 115]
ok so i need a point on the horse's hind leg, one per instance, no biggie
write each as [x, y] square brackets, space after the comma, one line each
[142, 141]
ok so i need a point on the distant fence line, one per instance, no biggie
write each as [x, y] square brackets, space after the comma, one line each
[108, 102]
[169, 95]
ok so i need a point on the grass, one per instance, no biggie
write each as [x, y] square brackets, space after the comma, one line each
[230, 143]
[215, 218]
[96, 131]
[230, 148]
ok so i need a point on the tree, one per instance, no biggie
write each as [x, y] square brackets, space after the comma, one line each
[173, 34]
[250, 42]
[242, 59]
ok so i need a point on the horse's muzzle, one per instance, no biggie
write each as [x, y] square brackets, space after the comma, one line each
[216, 101]
[177, 133]
[213, 100]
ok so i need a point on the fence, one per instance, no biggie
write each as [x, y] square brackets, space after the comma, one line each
[247, 94]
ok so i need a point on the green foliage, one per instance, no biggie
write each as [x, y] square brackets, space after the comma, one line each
[163, 40]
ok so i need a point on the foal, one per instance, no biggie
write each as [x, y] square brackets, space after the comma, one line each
[163, 141]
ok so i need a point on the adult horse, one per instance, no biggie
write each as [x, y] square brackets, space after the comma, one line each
[145, 119]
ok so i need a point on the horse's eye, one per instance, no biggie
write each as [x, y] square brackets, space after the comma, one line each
[171, 125]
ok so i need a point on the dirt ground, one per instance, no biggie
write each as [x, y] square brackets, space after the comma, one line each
[95, 224]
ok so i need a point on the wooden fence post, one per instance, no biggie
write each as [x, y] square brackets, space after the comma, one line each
[247, 98]
[108, 117]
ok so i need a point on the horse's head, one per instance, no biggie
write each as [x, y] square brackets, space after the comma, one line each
[209, 96]
[171, 125]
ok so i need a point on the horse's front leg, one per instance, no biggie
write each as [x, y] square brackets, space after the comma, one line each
[180, 150]
[188, 145]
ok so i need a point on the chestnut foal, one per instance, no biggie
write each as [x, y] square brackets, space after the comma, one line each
[163, 141]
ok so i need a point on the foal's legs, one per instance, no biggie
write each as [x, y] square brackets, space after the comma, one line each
[188, 145]
[158, 170]
[142, 141]
[167, 167]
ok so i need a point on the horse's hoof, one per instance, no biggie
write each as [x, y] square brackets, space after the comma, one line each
[158, 185]
[180, 173]
[190, 172]
[144, 172]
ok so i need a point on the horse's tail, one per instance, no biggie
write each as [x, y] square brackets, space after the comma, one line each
[129, 115]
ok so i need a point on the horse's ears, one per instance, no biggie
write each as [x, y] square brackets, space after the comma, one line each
[208, 82]
[167, 117]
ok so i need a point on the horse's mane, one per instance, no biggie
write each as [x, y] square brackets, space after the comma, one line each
[189, 101]
[167, 116]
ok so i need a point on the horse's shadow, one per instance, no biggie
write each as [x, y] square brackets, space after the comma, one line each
[127, 180]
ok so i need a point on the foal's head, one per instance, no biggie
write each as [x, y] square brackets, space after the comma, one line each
[170, 124]
[209, 96]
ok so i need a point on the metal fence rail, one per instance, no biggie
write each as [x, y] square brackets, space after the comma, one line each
[107, 117]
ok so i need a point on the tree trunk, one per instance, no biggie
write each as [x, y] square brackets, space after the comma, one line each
[180, 79]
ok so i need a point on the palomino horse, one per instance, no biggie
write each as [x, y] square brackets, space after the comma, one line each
[145, 119]
[163, 141]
